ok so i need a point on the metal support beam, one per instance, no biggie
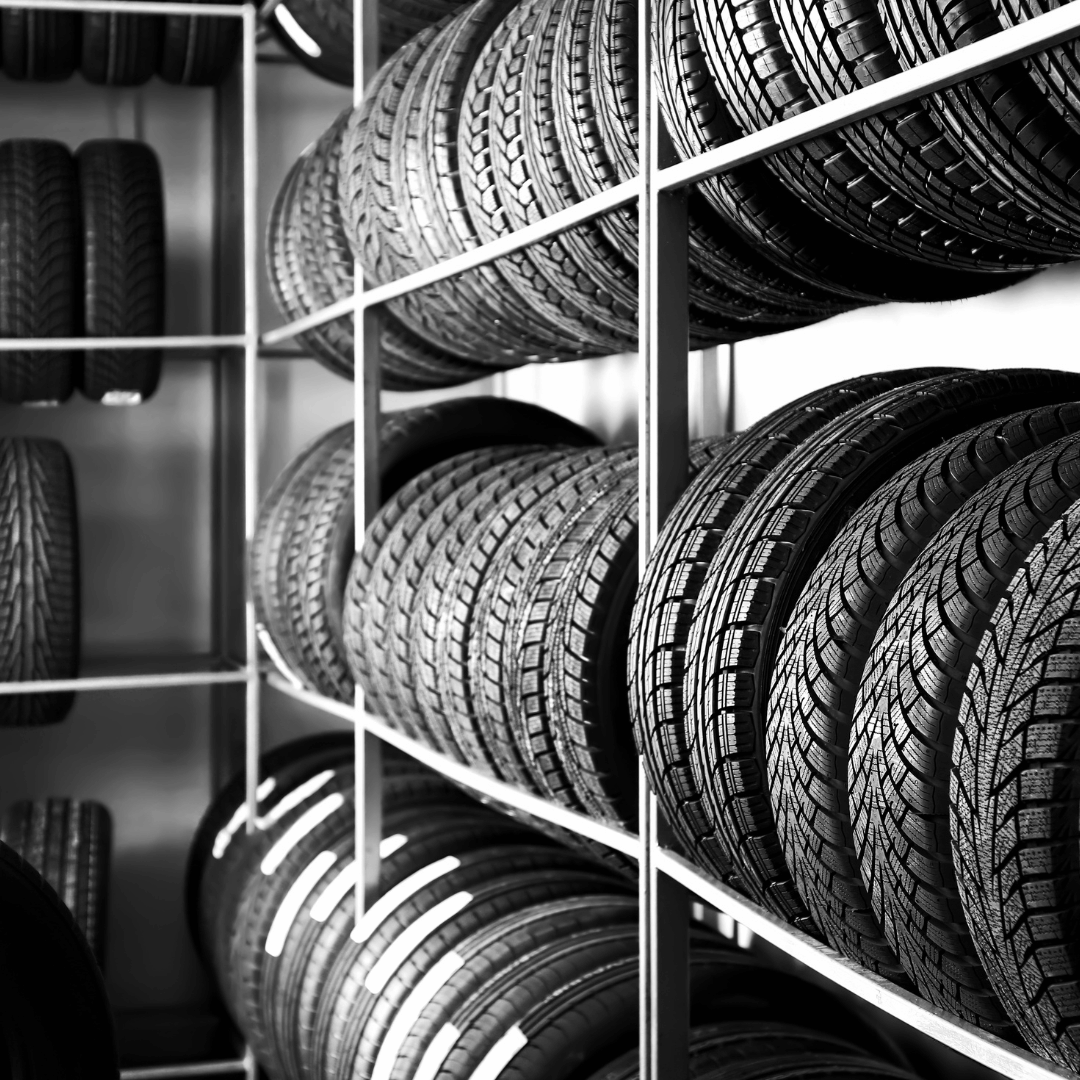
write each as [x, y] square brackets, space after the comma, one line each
[368, 749]
[663, 437]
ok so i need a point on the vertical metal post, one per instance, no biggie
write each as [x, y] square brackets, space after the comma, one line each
[234, 708]
[252, 729]
[663, 338]
[729, 415]
[368, 749]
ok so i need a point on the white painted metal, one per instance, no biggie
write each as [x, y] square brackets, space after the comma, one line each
[481, 783]
[174, 341]
[123, 682]
[132, 7]
[180, 1072]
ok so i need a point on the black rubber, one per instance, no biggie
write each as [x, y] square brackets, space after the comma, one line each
[472, 643]
[39, 567]
[120, 50]
[198, 51]
[319, 34]
[1013, 795]
[762, 565]
[66, 1023]
[123, 216]
[905, 720]
[68, 842]
[39, 260]
[821, 662]
[39, 45]
[670, 589]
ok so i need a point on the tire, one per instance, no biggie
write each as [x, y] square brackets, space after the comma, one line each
[40, 560]
[123, 214]
[762, 565]
[1013, 797]
[836, 174]
[319, 33]
[198, 51]
[42, 46]
[444, 513]
[468, 637]
[821, 662]
[670, 590]
[39, 261]
[70, 1017]
[497, 956]
[905, 722]
[120, 50]
[69, 843]
[770, 217]
[352, 1008]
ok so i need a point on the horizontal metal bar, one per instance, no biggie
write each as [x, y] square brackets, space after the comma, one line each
[580, 212]
[128, 7]
[175, 341]
[201, 1068]
[151, 681]
[610, 835]
[1014, 43]
[946, 1029]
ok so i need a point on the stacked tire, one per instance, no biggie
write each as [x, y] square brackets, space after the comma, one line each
[813, 675]
[487, 616]
[68, 842]
[116, 49]
[305, 539]
[483, 946]
[508, 111]
[82, 252]
[39, 563]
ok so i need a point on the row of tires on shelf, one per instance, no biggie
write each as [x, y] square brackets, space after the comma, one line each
[115, 49]
[848, 666]
[511, 110]
[485, 949]
[55, 1019]
[83, 253]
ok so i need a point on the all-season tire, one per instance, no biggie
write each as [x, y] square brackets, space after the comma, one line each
[198, 51]
[118, 49]
[1014, 799]
[39, 569]
[39, 45]
[123, 217]
[39, 262]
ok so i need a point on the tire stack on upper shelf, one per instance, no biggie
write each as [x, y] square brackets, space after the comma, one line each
[853, 681]
[511, 110]
[117, 49]
[82, 252]
[484, 949]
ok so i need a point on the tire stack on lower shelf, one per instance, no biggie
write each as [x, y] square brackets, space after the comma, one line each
[509, 111]
[83, 253]
[484, 949]
[814, 664]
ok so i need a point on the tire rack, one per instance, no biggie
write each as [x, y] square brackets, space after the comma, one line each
[231, 669]
[667, 881]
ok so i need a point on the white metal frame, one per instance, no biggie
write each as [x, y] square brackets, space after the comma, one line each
[667, 880]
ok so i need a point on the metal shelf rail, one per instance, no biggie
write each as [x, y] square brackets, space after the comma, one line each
[667, 881]
[235, 405]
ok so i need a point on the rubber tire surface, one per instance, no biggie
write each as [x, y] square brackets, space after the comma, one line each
[39, 45]
[821, 663]
[763, 563]
[1013, 797]
[40, 577]
[68, 842]
[670, 590]
[123, 215]
[120, 50]
[905, 722]
[198, 50]
[39, 262]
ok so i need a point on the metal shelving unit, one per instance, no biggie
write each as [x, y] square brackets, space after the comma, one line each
[667, 881]
[231, 669]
